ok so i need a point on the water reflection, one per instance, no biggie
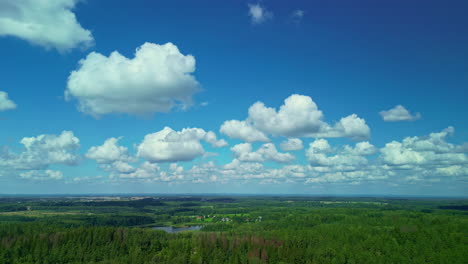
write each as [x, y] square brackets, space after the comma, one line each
[170, 229]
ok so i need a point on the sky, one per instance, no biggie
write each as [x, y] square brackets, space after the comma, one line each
[256, 97]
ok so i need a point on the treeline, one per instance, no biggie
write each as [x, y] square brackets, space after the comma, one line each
[119, 220]
[134, 203]
[455, 207]
[83, 220]
[12, 208]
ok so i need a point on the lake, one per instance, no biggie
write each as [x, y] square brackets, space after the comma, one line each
[171, 229]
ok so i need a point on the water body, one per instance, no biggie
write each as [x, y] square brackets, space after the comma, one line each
[170, 229]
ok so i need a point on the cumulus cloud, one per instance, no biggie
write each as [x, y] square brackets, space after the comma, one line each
[5, 102]
[148, 171]
[112, 157]
[109, 152]
[206, 172]
[266, 152]
[345, 164]
[427, 159]
[157, 79]
[246, 170]
[320, 145]
[145, 171]
[242, 130]
[175, 172]
[296, 173]
[38, 154]
[47, 23]
[243, 152]
[299, 116]
[350, 164]
[44, 150]
[259, 14]
[351, 126]
[211, 138]
[168, 145]
[361, 148]
[399, 113]
[317, 154]
[269, 152]
[291, 144]
[119, 167]
[429, 151]
[327, 164]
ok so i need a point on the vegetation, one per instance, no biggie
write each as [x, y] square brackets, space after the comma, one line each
[235, 230]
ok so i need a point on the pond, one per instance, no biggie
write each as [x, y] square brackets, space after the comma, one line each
[171, 229]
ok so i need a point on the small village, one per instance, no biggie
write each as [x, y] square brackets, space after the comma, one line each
[236, 218]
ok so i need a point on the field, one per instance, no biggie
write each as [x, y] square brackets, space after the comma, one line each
[236, 229]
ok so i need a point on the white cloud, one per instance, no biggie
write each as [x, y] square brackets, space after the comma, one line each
[176, 168]
[168, 145]
[145, 171]
[299, 116]
[295, 171]
[174, 173]
[454, 170]
[47, 23]
[108, 152]
[245, 170]
[242, 130]
[122, 167]
[207, 172]
[148, 171]
[394, 153]
[266, 152]
[5, 102]
[38, 175]
[258, 13]
[44, 150]
[426, 158]
[351, 126]
[291, 144]
[432, 150]
[38, 154]
[348, 164]
[399, 113]
[320, 145]
[112, 157]
[362, 148]
[243, 152]
[157, 79]
[317, 154]
[211, 138]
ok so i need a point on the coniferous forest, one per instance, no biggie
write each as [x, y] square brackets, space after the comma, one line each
[232, 230]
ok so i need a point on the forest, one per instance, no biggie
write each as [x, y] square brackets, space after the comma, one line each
[234, 229]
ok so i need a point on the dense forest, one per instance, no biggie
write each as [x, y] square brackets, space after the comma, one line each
[235, 230]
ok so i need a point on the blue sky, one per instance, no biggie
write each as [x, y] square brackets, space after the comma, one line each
[306, 97]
